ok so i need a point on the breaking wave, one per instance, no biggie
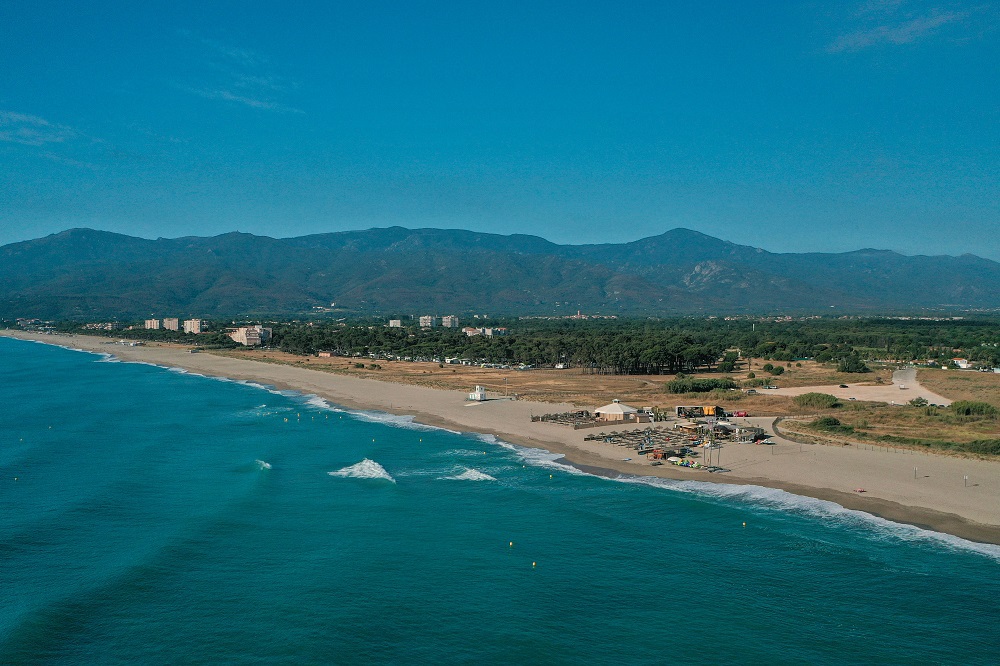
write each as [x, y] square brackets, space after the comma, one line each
[366, 469]
[470, 474]
[535, 457]
[786, 502]
[262, 465]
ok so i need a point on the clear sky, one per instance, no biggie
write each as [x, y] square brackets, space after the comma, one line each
[812, 126]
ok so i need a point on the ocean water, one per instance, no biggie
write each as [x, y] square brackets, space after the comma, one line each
[154, 516]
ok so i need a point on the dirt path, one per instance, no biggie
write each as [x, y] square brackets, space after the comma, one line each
[904, 388]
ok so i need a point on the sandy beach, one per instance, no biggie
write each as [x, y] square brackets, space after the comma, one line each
[922, 489]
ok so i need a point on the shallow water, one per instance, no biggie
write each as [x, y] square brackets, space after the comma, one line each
[162, 516]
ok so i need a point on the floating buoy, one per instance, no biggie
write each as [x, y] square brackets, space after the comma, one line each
[286, 419]
[533, 564]
[373, 439]
[550, 476]
[744, 524]
[511, 543]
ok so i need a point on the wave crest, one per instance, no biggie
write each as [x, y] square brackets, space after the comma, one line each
[470, 474]
[366, 469]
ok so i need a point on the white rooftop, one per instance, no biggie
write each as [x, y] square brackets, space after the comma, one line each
[616, 407]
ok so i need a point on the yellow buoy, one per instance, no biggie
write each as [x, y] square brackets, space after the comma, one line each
[744, 524]
[550, 476]
[511, 544]
[533, 564]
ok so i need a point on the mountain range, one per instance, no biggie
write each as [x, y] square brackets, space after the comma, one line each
[84, 273]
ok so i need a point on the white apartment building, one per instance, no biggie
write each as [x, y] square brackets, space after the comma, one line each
[251, 336]
[152, 324]
[450, 321]
[395, 323]
[171, 323]
[428, 321]
[193, 325]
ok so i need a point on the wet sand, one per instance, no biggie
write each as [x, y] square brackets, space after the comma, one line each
[934, 497]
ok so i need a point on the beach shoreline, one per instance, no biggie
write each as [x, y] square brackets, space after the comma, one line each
[933, 499]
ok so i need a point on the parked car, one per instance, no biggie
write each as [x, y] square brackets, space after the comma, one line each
[843, 386]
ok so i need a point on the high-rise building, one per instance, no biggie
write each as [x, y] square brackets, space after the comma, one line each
[428, 321]
[395, 323]
[171, 324]
[152, 324]
[251, 336]
[193, 325]
[450, 321]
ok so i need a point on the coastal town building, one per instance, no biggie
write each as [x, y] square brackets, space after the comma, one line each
[152, 324]
[428, 321]
[171, 323]
[104, 326]
[193, 325]
[449, 321]
[395, 323]
[488, 332]
[251, 336]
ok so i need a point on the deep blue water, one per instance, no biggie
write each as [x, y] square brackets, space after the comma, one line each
[144, 526]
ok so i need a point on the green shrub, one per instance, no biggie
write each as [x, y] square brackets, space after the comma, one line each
[777, 370]
[688, 385]
[830, 424]
[983, 446]
[852, 363]
[970, 408]
[816, 400]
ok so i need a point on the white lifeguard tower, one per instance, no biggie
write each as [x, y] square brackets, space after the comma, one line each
[478, 395]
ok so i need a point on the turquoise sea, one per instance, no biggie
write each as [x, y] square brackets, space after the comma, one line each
[152, 516]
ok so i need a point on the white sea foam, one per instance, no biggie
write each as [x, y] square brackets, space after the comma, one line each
[769, 498]
[470, 474]
[366, 469]
[395, 420]
[535, 457]
[262, 465]
[460, 453]
[781, 500]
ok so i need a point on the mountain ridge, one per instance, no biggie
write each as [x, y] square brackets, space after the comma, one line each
[82, 273]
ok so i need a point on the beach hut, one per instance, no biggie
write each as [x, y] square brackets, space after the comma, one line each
[616, 411]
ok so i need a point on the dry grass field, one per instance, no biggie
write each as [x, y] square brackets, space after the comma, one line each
[872, 421]
[586, 391]
[810, 373]
[962, 384]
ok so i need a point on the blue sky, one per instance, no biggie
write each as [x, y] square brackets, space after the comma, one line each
[813, 126]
